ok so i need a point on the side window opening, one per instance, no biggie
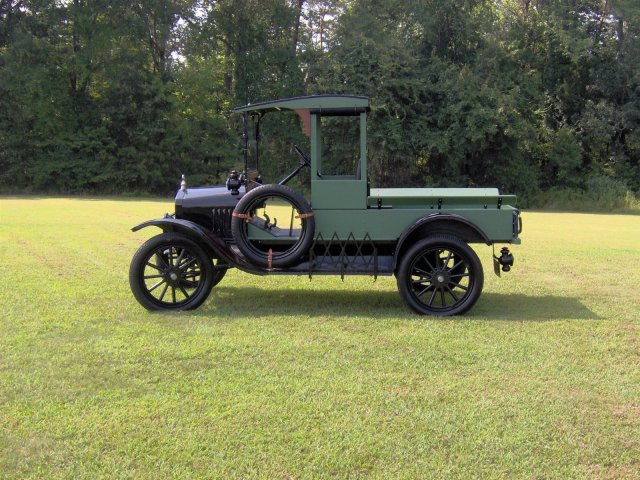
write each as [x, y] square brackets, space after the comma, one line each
[340, 145]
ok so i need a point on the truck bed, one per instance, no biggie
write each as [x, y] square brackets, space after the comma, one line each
[443, 197]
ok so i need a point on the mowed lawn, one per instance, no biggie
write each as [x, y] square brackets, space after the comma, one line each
[280, 377]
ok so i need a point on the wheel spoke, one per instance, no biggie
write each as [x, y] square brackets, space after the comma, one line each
[184, 292]
[455, 297]
[442, 299]
[173, 294]
[424, 257]
[187, 263]
[156, 286]
[179, 259]
[161, 260]
[446, 262]
[433, 295]
[429, 287]
[189, 283]
[422, 273]
[149, 264]
[439, 253]
[456, 265]
[459, 275]
[457, 285]
[153, 276]
[163, 292]
[190, 273]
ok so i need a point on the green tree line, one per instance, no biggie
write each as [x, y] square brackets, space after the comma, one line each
[531, 96]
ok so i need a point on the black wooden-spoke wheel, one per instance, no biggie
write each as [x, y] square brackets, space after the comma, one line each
[440, 275]
[171, 272]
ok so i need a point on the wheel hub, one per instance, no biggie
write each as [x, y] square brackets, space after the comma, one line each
[440, 279]
[172, 276]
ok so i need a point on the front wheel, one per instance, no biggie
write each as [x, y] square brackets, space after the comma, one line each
[440, 275]
[171, 272]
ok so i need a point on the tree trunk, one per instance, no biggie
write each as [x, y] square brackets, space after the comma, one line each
[620, 31]
[75, 45]
[296, 28]
[605, 11]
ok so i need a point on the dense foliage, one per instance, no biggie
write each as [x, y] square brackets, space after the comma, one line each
[113, 96]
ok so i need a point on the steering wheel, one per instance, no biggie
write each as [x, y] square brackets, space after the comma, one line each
[303, 156]
[306, 162]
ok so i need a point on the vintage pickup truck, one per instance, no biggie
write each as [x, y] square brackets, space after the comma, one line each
[420, 235]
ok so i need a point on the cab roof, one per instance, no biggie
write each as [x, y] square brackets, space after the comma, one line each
[314, 103]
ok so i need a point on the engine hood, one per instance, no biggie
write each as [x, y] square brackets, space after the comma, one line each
[210, 197]
[198, 203]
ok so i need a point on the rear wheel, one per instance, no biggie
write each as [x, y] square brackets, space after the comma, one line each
[440, 275]
[171, 272]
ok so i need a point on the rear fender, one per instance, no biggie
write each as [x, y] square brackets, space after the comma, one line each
[439, 223]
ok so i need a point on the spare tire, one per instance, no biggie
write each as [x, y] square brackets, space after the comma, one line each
[287, 249]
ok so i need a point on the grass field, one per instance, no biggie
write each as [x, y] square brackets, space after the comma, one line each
[279, 377]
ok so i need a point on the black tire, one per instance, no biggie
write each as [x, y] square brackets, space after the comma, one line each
[218, 272]
[440, 275]
[252, 201]
[171, 272]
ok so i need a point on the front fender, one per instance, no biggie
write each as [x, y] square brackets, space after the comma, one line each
[211, 243]
[169, 224]
[193, 231]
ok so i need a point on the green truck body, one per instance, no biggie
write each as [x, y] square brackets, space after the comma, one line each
[344, 205]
